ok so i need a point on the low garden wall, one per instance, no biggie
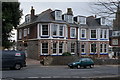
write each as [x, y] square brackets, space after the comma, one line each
[64, 60]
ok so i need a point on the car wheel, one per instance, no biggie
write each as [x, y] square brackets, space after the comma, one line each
[17, 66]
[78, 66]
[91, 66]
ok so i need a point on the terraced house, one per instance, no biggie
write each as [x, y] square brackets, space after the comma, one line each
[52, 33]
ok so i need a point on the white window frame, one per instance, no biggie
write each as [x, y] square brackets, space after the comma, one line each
[70, 18]
[62, 30]
[82, 48]
[71, 32]
[114, 41]
[102, 21]
[58, 17]
[20, 33]
[72, 47]
[42, 30]
[91, 47]
[25, 32]
[84, 33]
[42, 49]
[90, 33]
[56, 29]
[55, 48]
[79, 20]
[104, 33]
[61, 48]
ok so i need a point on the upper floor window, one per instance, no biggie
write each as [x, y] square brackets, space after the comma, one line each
[103, 33]
[68, 18]
[45, 30]
[73, 32]
[83, 33]
[82, 20]
[25, 32]
[61, 30]
[20, 33]
[27, 18]
[102, 21]
[58, 15]
[55, 27]
[114, 41]
[93, 34]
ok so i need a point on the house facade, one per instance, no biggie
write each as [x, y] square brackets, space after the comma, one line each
[52, 33]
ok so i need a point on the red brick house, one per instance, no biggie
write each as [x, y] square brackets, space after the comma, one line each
[52, 33]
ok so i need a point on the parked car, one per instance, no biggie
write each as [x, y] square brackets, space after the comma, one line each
[13, 59]
[83, 62]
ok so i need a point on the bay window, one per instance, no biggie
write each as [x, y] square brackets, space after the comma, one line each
[44, 48]
[61, 30]
[54, 48]
[93, 34]
[45, 30]
[60, 47]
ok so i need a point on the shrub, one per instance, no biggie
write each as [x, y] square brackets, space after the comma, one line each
[66, 54]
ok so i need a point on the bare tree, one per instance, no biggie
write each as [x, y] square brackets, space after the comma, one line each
[106, 8]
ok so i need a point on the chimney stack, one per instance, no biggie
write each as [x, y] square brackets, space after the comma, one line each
[69, 11]
[32, 12]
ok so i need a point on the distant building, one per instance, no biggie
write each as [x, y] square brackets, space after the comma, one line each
[115, 37]
[52, 33]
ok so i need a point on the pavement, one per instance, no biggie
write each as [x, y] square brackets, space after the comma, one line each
[32, 62]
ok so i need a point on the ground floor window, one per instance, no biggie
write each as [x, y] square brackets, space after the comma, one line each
[60, 47]
[83, 48]
[93, 48]
[54, 48]
[44, 48]
[103, 48]
[72, 47]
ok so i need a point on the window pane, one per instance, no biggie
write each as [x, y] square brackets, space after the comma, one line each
[93, 48]
[93, 33]
[72, 47]
[55, 29]
[101, 32]
[83, 48]
[60, 47]
[44, 48]
[54, 47]
[61, 30]
[44, 29]
[83, 33]
[72, 32]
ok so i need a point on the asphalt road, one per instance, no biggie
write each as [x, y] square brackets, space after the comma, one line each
[36, 71]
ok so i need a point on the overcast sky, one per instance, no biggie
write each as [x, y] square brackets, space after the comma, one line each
[79, 8]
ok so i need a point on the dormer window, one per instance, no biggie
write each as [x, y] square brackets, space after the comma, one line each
[58, 15]
[102, 21]
[27, 18]
[68, 18]
[82, 20]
